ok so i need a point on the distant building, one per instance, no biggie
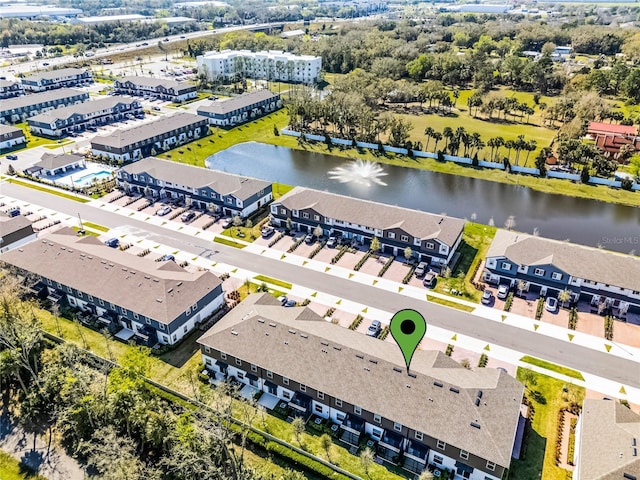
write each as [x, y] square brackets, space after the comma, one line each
[76, 118]
[480, 8]
[292, 33]
[151, 138]
[51, 165]
[14, 232]
[271, 65]
[204, 3]
[156, 87]
[9, 89]
[37, 11]
[611, 137]
[432, 238]
[110, 19]
[439, 415]
[134, 297]
[242, 108]
[65, 77]
[18, 109]
[10, 137]
[201, 187]
[607, 443]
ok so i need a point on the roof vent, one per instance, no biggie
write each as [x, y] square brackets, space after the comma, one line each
[124, 269]
[361, 357]
[82, 254]
[89, 257]
[62, 248]
[103, 262]
[304, 335]
[132, 272]
[367, 369]
[170, 290]
[179, 284]
[147, 277]
[70, 251]
[261, 320]
[233, 332]
[293, 332]
[397, 369]
[408, 386]
[337, 348]
[477, 402]
[159, 300]
[271, 324]
[156, 280]
[326, 344]
[111, 265]
[438, 384]
[266, 334]
[324, 351]
[633, 442]
[635, 452]
[475, 425]
[375, 362]
[454, 390]
[286, 343]
[479, 394]
[628, 476]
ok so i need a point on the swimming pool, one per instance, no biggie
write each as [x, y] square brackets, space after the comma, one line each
[90, 177]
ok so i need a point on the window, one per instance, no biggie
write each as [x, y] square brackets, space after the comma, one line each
[286, 395]
[283, 211]
[441, 445]
[254, 368]
[49, 282]
[113, 307]
[285, 380]
[123, 310]
[238, 362]
[80, 294]
[419, 435]
[338, 402]
[303, 388]
[464, 454]
[491, 466]
[317, 408]
[316, 218]
[321, 395]
[377, 418]
[404, 238]
[223, 355]
[431, 246]
[305, 215]
[185, 329]
[391, 235]
[269, 374]
[240, 376]
[556, 276]
[188, 312]
[69, 290]
[539, 272]
[357, 410]
[505, 266]
[340, 416]
[397, 426]
[90, 298]
[438, 459]
[208, 361]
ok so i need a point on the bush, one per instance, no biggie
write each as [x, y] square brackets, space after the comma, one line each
[384, 333]
[608, 327]
[316, 250]
[626, 184]
[356, 322]
[483, 360]
[344, 249]
[407, 277]
[573, 318]
[508, 302]
[296, 244]
[449, 351]
[360, 263]
[540, 308]
[276, 239]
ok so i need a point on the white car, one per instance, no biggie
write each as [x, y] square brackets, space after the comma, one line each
[503, 291]
[551, 304]
[163, 211]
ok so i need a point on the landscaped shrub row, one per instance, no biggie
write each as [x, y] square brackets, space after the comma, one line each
[131, 200]
[384, 333]
[339, 255]
[558, 456]
[276, 239]
[305, 302]
[386, 266]
[483, 360]
[316, 250]
[608, 327]
[125, 246]
[143, 206]
[409, 275]
[224, 276]
[144, 252]
[330, 312]
[235, 295]
[356, 322]
[449, 351]
[209, 223]
[296, 244]
[571, 448]
[573, 318]
[508, 302]
[177, 212]
[364, 258]
[540, 308]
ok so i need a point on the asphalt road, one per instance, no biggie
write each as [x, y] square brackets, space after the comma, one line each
[558, 351]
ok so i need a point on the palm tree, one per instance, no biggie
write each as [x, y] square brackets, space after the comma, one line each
[429, 131]
[448, 135]
[437, 136]
[564, 296]
[509, 144]
[531, 146]
[499, 141]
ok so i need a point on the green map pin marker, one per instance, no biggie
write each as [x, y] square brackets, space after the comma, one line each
[407, 329]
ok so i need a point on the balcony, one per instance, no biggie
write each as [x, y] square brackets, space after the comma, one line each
[352, 428]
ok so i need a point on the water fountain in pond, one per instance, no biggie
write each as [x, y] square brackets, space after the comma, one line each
[359, 171]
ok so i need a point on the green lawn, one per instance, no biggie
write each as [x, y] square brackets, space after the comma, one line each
[273, 281]
[450, 303]
[12, 469]
[552, 367]
[68, 196]
[228, 242]
[539, 451]
[32, 141]
[95, 226]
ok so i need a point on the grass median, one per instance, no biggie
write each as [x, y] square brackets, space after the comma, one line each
[552, 367]
[68, 196]
[273, 281]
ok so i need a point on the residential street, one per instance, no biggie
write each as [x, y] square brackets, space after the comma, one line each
[554, 350]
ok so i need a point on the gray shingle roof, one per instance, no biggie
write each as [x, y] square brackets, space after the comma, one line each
[82, 108]
[125, 137]
[159, 290]
[5, 129]
[225, 106]
[376, 215]
[7, 83]
[155, 82]
[41, 97]
[610, 433]
[10, 225]
[196, 177]
[576, 260]
[376, 387]
[51, 161]
[53, 74]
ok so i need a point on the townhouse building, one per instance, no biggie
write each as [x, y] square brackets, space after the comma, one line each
[438, 414]
[265, 65]
[9, 89]
[608, 280]
[433, 238]
[150, 138]
[15, 231]
[76, 118]
[63, 78]
[242, 108]
[135, 297]
[155, 87]
[11, 136]
[199, 187]
[607, 442]
[18, 109]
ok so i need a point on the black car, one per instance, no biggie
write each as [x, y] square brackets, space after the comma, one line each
[188, 216]
[12, 157]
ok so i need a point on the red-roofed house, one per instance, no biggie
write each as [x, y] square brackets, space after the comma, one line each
[610, 137]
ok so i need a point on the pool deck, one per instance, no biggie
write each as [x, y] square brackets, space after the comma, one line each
[82, 177]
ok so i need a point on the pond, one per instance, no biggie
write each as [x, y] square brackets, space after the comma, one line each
[590, 222]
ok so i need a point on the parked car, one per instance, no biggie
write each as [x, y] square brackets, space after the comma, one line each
[374, 329]
[309, 239]
[290, 303]
[14, 212]
[487, 296]
[282, 299]
[429, 279]
[503, 291]
[12, 157]
[156, 108]
[163, 211]
[422, 269]
[551, 304]
[267, 231]
[332, 242]
[187, 216]
[168, 257]
[112, 242]
[227, 223]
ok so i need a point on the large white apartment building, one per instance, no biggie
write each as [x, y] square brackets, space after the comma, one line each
[271, 65]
